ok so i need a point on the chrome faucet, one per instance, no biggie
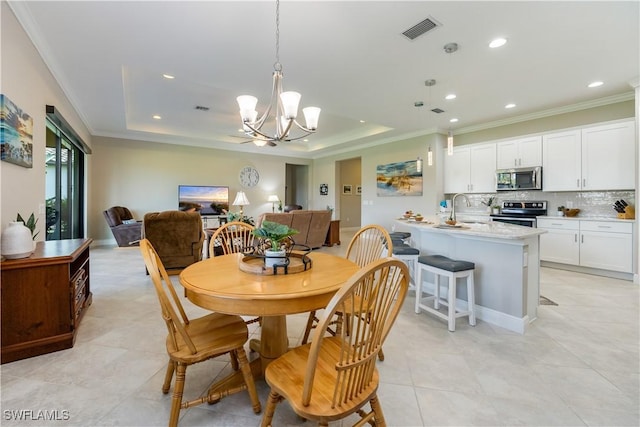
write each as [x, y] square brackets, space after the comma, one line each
[453, 204]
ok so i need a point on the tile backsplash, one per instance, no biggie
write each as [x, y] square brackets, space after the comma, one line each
[590, 203]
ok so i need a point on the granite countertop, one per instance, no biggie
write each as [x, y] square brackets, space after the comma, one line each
[494, 230]
[587, 218]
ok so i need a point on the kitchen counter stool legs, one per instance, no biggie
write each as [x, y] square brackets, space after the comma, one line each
[453, 270]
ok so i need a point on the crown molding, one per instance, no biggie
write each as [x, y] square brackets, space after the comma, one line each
[627, 96]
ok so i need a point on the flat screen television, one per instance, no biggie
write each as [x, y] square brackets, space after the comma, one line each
[206, 199]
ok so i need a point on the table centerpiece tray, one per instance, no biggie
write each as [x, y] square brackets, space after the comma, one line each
[294, 262]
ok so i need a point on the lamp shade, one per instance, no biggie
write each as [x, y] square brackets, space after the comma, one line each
[241, 199]
[273, 198]
[311, 117]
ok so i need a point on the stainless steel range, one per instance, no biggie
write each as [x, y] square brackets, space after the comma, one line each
[521, 213]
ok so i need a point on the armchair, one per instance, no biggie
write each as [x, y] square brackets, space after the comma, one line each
[126, 234]
[176, 236]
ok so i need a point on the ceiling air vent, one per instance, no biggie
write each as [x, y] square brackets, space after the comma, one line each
[421, 28]
[438, 110]
[202, 108]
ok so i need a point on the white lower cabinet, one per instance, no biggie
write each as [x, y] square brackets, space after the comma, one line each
[560, 243]
[606, 245]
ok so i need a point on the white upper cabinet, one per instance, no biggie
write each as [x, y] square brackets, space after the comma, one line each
[594, 158]
[561, 166]
[608, 157]
[471, 169]
[519, 153]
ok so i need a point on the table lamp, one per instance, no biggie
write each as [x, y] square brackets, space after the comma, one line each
[241, 200]
[273, 199]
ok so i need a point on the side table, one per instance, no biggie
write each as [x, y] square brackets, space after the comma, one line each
[333, 234]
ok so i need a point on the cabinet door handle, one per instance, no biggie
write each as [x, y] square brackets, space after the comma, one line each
[584, 182]
[575, 237]
[555, 223]
[604, 226]
[582, 239]
[578, 183]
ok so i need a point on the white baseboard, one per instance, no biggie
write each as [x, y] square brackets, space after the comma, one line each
[502, 320]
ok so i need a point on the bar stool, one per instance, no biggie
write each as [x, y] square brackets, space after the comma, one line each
[405, 236]
[442, 266]
[409, 256]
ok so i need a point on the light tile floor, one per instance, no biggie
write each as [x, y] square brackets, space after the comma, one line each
[578, 364]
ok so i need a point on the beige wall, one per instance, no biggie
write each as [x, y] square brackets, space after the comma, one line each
[144, 176]
[27, 82]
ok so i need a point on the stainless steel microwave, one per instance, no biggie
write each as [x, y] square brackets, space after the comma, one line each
[519, 179]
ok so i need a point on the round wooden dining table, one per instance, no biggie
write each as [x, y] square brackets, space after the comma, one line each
[218, 284]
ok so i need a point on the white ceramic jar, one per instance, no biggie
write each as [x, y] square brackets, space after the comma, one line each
[17, 241]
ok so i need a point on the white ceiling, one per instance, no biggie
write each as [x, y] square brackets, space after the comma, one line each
[347, 57]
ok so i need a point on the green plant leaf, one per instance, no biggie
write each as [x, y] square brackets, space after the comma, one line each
[275, 232]
[30, 224]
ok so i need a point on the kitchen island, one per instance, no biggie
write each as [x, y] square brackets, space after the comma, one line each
[507, 265]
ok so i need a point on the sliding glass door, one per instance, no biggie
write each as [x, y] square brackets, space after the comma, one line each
[64, 186]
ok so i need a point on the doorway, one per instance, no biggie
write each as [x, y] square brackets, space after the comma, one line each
[297, 185]
[349, 174]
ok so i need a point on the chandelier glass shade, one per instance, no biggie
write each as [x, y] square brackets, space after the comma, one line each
[282, 111]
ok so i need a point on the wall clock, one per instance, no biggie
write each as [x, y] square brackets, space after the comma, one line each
[249, 176]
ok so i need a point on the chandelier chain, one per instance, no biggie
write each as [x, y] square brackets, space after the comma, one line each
[277, 66]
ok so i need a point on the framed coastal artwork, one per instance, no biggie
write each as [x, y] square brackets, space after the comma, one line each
[399, 179]
[347, 189]
[16, 134]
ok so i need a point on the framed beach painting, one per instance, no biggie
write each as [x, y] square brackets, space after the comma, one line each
[399, 179]
[16, 134]
[347, 189]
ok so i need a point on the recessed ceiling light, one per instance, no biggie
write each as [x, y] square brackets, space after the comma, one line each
[497, 42]
[450, 96]
[595, 84]
[305, 140]
[157, 117]
[454, 120]
[168, 76]
[362, 121]
[510, 106]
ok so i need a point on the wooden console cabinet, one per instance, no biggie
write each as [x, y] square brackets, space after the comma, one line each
[333, 235]
[44, 298]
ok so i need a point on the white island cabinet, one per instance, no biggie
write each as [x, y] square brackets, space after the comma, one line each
[507, 266]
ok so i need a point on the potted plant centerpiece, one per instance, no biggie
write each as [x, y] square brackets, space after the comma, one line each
[274, 234]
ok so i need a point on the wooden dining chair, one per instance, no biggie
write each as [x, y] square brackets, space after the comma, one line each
[369, 244]
[232, 237]
[335, 376]
[192, 341]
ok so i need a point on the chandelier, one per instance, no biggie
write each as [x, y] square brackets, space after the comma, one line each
[284, 106]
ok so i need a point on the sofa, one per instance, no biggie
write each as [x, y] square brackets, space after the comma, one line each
[176, 236]
[312, 225]
[125, 229]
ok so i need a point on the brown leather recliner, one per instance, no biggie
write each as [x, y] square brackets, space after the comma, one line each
[126, 234]
[176, 236]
